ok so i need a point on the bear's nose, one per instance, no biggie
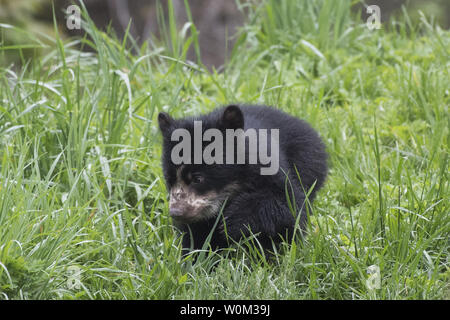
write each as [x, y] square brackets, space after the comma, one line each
[175, 212]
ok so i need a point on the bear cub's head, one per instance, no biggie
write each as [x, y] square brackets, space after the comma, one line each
[197, 190]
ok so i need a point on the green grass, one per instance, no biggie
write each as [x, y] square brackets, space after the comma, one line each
[81, 184]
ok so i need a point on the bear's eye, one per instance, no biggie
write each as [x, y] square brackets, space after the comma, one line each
[197, 178]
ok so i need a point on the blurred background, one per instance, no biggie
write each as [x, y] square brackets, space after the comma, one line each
[216, 20]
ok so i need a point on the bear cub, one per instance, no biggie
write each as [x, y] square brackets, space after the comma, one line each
[257, 178]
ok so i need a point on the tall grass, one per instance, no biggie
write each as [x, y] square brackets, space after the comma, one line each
[81, 185]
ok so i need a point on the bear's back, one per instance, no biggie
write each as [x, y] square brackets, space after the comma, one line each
[301, 148]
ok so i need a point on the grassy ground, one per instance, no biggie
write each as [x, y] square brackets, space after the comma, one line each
[81, 189]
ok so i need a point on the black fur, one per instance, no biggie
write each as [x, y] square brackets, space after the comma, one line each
[259, 203]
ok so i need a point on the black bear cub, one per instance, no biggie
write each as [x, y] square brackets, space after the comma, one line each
[252, 164]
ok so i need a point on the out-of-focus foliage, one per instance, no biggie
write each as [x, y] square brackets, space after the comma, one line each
[21, 12]
[439, 9]
[37, 15]
[24, 15]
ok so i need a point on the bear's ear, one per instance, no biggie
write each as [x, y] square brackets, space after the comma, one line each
[233, 118]
[165, 122]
